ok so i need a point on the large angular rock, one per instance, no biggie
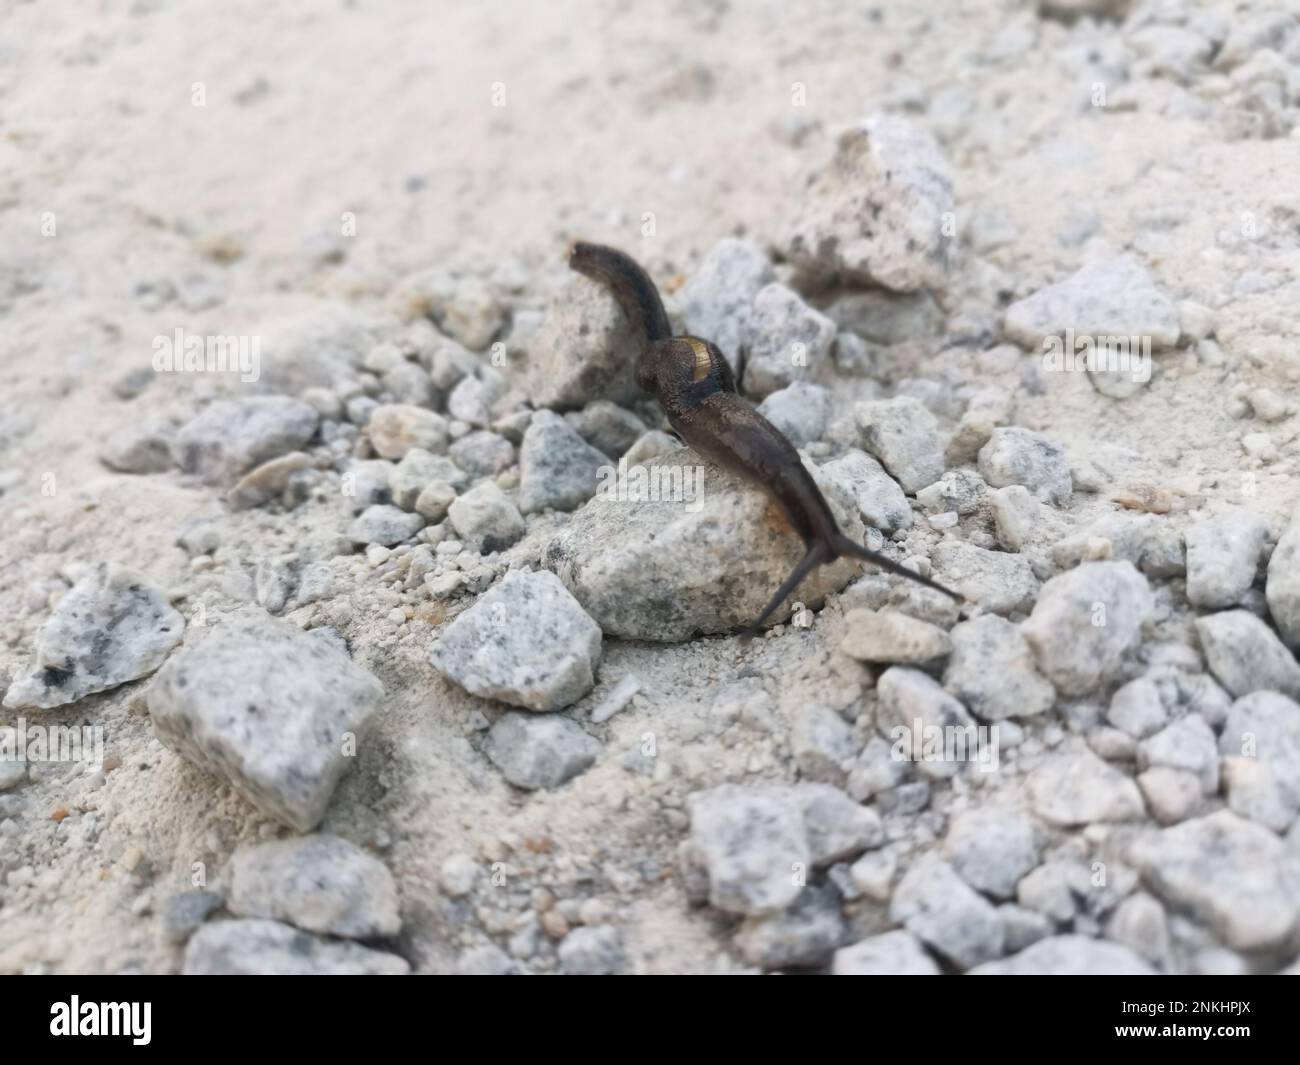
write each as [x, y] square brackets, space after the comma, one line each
[1069, 955]
[752, 846]
[897, 953]
[993, 671]
[1228, 872]
[231, 436]
[111, 627]
[557, 468]
[1246, 655]
[540, 752]
[319, 883]
[270, 709]
[715, 301]
[268, 948]
[939, 908]
[702, 552]
[904, 435]
[1109, 298]
[875, 213]
[1085, 621]
[1078, 788]
[1222, 556]
[1283, 587]
[991, 849]
[783, 337]
[1001, 582]
[1019, 456]
[1260, 743]
[584, 350]
[526, 642]
[881, 503]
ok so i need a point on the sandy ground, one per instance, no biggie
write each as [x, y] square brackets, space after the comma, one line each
[612, 111]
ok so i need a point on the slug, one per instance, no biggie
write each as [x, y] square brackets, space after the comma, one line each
[693, 382]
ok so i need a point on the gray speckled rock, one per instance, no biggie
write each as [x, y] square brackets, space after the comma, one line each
[799, 410]
[484, 517]
[804, 934]
[111, 627]
[991, 849]
[992, 670]
[526, 642]
[875, 212]
[1111, 297]
[269, 948]
[268, 708]
[472, 399]
[607, 427]
[1085, 621]
[1246, 655]
[716, 299]
[319, 883]
[185, 911]
[384, 524]
[138, 449]
[752, 844]
[557, 468]
[1261, 767]
[1069, 955]
[904, 435]
[229, 437]
[908, 696]
[656, 569]
[418, 468]
[1078, 788]
[1019, 456]
[592, 951]
[395, 428]
[1283, 587]
[583, 350]
[880, 501]
[896, 953]
[482, 453]
[889, 636]
[942, 910]
[1228, 872]
[782, 337]
[1000, 582]
[1222, 556]
[540, 752]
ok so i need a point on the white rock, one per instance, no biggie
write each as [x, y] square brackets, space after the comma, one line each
[889, 954]
[1222, 556]
[540, 752]
[111, 627]
[319, 883]
[716, 299]
[875, 214]
[268, 708]
[1069, 955]
[991, 849]
[269, 948]
[1246, 655]
[1018, 456]
[1085, 621]
[1078, 788]
[993, 672]
[942, 910]
[1108, 298]
[904, 436]
[526, 642]
[782, 338]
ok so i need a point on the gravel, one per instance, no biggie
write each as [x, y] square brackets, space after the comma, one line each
[1222, 556]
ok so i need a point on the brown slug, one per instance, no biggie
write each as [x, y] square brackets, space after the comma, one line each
[695, 386]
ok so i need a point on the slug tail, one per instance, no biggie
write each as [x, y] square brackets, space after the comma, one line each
[842, 545]
[629, 284]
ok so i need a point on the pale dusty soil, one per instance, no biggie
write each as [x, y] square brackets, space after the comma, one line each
[612, 110]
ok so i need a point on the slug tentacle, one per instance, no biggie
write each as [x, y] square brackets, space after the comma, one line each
[694, 384]
[630, 285]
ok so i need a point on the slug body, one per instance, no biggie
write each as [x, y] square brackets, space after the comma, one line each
[693, 382]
